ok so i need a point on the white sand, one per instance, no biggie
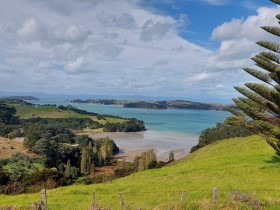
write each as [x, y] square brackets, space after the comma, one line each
[132, 144]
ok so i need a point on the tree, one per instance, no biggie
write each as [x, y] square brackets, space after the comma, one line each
[171, 156]
[147, 160]
[261, 101]
[85, 161]
[67, 171]
[50, 150]
[33, 132]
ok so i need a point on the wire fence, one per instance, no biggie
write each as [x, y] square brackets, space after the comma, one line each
[138, 199]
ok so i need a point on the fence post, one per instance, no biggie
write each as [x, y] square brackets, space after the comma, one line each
[215, 195]
[183, 196]
[121, 201]
[43, 199]
[93, 201]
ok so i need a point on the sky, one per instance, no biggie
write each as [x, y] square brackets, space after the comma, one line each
[185, 49]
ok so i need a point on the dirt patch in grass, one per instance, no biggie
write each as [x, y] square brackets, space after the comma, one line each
[9, 147]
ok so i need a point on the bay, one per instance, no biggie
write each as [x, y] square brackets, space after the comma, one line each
[167, 130]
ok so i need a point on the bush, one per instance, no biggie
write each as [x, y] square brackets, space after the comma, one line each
[131, 125]
[123, 169]
[6, 129]
[152, 164]
[220, 132]
[97, 178]
[4, 177]
[15, 134]
[7, 115]
[47, 178]
[95, 125]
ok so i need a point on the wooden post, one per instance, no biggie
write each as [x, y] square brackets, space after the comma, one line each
[121, 201]
[183, 196]
[92, 206]
[215, 195]
[43, 199]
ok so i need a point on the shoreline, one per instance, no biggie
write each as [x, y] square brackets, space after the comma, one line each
[133, 144]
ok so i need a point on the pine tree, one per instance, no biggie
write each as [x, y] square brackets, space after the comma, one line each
[85, 162]
[261, 101]
[67, 171]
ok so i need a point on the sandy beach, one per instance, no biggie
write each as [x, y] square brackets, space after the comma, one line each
[132, 144]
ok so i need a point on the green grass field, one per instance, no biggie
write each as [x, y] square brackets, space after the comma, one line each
[247, 165]
[25, 112]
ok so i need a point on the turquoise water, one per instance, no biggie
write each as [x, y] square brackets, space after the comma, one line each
[190, 122]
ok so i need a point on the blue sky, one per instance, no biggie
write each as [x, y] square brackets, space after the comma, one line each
[204, 16]
[188, 49]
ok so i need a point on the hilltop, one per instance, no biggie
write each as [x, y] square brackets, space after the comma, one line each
[244, 167]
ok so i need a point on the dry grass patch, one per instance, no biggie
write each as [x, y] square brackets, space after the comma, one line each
[10, 147]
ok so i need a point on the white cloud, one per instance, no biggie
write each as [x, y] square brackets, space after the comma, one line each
[249, 4]
[152, 31]
[75, 65]
[200, 77]
[31, 29]
[124, 20]
[238, 39]
[247, 28]
[217, 2]
[99, 46]
[237, 44]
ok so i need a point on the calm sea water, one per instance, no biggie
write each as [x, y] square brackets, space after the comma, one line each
[190, 122]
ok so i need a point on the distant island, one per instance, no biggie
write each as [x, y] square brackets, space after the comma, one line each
[170, 104]
[20, 98]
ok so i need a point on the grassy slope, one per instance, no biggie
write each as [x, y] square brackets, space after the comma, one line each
[26, 112]
[244, 164]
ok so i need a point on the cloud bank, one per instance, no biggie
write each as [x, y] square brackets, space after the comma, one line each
[119, 48]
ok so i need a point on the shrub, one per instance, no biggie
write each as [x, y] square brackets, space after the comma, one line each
[220, 132]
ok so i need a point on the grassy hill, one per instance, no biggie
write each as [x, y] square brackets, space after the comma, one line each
[26, 112]
[247, 166]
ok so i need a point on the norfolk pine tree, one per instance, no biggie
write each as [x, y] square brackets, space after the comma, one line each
[261, 101]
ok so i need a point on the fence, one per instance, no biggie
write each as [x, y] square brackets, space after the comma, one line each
[43, 204]
[140, 199]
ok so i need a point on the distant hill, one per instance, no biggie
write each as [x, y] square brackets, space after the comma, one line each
[19, 98]
[170, 104]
